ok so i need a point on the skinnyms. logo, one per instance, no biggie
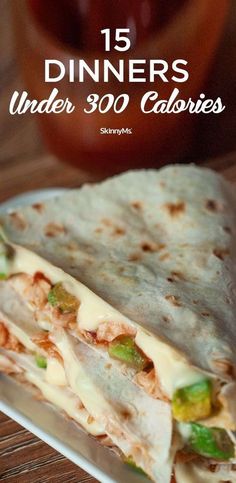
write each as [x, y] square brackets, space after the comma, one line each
[118, 132]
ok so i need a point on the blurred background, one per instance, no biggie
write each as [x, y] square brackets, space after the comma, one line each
[205, 34]
[67, 151]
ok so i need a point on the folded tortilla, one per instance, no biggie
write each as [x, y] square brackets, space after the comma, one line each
[148, 255]
[86, 388]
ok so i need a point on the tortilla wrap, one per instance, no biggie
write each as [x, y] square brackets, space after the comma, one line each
[155, 254]
[93, 393]
[156, 245]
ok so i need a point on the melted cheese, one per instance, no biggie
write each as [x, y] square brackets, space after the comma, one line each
[66, 401]
[55, 373]
[61, 397]
[106, 405]
[172, 368]
[79, 380]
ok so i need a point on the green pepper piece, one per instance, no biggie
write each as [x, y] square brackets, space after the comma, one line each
[41, 361]
[193, 402]
[63, 300]
[211, 442]
[130, 462]
[6, 253]
[124, 348]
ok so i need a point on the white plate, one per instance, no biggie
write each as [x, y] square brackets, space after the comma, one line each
[48, 424]
[31, 197]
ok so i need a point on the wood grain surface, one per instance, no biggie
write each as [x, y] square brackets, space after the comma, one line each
[24, 166]
[26, 459]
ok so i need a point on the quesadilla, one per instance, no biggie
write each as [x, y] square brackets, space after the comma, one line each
[135, 276]
[85, 386]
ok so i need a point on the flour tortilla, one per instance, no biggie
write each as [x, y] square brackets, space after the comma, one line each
[159, 246]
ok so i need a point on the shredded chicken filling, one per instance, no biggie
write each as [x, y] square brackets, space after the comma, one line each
[53, 305]
[8, 340]
[117, 338]
[35, 291]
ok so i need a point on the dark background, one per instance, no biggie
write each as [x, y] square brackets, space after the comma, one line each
[216, 134]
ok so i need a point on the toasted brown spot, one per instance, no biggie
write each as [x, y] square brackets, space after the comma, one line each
[118, 231]
[108, 366]
[121, 269]
[173, 300]
[152, 247]
[205, 314]
[178, 275]
[39, 207]
[162, 184]
[175, 209]
[79, 405]
[134, 257]
[214, 206]
[166, 319]
[39, 395]
[72, 246]
[148, 247]
[98, 230]
[175, 276]
[227, 229]
[18, 221]
[125, 413]
[221, 253]
[90, 419]
[137, 205]
[106, 222]
[164, 257]
[195, 302]
[54, 229]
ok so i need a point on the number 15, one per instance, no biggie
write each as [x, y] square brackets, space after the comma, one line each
[119, 38]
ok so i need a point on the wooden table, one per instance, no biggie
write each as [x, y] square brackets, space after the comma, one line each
[24, 165]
